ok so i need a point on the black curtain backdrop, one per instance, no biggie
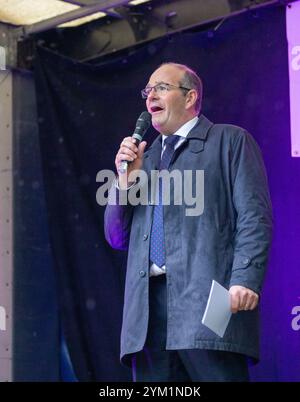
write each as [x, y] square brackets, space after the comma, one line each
[85, 111]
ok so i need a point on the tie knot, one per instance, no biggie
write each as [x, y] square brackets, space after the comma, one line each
[171, 140]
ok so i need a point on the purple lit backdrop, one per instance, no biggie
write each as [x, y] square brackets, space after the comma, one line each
[259, 100]
[244, 66]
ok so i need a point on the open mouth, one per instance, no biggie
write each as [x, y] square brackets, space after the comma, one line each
[155, 109]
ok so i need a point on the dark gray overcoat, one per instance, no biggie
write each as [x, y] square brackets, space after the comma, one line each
[228, 242]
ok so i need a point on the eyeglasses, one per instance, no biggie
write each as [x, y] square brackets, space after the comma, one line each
[160, 89]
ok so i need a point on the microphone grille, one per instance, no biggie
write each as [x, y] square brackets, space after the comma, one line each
[143, 123]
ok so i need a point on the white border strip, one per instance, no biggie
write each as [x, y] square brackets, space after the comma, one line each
[293, 37]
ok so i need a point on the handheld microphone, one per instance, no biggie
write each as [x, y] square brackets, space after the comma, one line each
[141, 127]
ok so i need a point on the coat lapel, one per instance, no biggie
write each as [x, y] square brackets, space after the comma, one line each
[153, 155]
[195, 139]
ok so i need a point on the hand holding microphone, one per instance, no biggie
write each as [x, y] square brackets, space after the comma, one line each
[130, 154]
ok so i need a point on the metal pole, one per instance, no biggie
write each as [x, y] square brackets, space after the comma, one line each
[50, 23]
[6, 227]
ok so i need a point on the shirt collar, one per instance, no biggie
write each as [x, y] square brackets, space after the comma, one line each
[185, 129]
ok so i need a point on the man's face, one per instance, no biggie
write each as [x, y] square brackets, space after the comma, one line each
[168, 109]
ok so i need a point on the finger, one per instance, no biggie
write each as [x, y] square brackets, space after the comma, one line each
[129, 143]
[244, 300]
[127, 151]
[124, 157]
[254, 304]
[247, 301]
[235, 302]
[141, 149]
[252, 301]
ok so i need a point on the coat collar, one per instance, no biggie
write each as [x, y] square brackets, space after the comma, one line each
[198, 132]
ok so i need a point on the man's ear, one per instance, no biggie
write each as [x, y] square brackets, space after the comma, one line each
[191, 98]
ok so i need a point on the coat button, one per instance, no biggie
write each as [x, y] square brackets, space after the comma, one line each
[145, 237]
[142, 274]
[246, 261]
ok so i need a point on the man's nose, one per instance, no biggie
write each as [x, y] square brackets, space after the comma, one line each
[152, 94]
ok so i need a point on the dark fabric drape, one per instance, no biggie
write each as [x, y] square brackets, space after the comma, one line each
[84, 112]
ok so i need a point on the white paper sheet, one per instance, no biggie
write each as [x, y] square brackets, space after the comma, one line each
[217, 313]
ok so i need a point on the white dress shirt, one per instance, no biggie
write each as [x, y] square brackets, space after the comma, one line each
[181, 132]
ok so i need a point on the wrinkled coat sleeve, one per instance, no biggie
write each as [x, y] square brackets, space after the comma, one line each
[252, 203]
[117, 219]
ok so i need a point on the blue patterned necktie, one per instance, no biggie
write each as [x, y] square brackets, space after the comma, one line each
[157, 241]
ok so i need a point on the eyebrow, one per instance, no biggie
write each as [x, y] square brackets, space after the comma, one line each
[157, 83]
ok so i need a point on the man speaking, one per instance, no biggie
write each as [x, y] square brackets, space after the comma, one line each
[173, 257]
